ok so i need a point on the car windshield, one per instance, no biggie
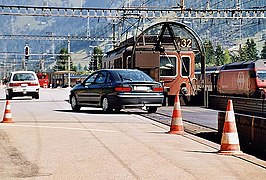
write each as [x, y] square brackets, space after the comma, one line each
[167, 66]
[23, 77]
[133, 76]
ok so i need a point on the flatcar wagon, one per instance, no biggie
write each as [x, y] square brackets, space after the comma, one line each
[166, 52]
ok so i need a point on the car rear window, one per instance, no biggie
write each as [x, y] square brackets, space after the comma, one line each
[136, 76]
[24, 77]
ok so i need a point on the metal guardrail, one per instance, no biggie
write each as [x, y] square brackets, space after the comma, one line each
[249, 106]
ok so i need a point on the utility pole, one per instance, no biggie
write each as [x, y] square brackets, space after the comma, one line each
[182, 4]
[53, 46]
[68, 51]
[238, 6]
[114, 34]
[88, 27]
[5, 66]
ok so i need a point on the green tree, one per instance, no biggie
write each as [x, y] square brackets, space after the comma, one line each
[85, 68]
[79, 68]
[243, 54]
[248, 51]
[97, 58]
[219, 55]
[210, 56]
[252, 51]
[234, 57]
[227, 57]
[73, 68]
[263, 51]
[62, 61]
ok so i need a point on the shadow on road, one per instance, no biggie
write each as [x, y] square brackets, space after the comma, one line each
[99, 111]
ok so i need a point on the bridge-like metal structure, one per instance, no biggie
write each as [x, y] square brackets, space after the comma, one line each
[58, 38]
[138, 14]
[131, 12]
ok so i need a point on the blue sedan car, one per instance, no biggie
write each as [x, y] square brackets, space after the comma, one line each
[115, 89]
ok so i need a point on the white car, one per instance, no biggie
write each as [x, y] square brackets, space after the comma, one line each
[22, 83]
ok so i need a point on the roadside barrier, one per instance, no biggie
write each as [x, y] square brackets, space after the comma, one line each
[177, 122]
[7, 114]
[230, 142]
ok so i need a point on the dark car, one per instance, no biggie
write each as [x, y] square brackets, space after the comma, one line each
[114, 89]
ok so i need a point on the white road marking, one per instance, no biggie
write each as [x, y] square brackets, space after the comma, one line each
[52, 127]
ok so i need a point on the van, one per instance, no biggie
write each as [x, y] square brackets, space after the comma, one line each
[22, 83]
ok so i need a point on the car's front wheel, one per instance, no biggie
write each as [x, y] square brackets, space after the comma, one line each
[74, 103]
[106, 105]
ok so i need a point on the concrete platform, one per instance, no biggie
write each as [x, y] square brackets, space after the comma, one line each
[92, 145]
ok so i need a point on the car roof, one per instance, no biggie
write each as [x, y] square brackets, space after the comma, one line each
[22, 72]
[119, 70]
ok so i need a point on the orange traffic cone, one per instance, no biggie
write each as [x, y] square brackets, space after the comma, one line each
[177, 123]
[230, 141]
[7, 114]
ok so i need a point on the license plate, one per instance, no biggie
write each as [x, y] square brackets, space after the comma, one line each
[24, 85]
[141, 88]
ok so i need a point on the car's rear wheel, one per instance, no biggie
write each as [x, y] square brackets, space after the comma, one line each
[9, 96]
[36, 96]
[152, 109]
[117, 110]
[105, 105]
[74, 103]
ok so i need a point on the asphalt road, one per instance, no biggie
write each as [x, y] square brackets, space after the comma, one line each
[48, 141]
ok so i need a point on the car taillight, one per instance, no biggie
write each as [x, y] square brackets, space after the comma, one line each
[123, 88]
[14, 84]
[157, 89]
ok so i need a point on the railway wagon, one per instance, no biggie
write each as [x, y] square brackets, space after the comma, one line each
[43, 78]
[246, 78]
[165, 53]
[211, 77]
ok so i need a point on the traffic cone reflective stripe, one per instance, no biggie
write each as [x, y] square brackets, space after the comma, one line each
[230, 141]
[176, 123]
[7, 114]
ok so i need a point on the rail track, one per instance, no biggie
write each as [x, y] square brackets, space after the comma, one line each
[202, 131]
[189, 127]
